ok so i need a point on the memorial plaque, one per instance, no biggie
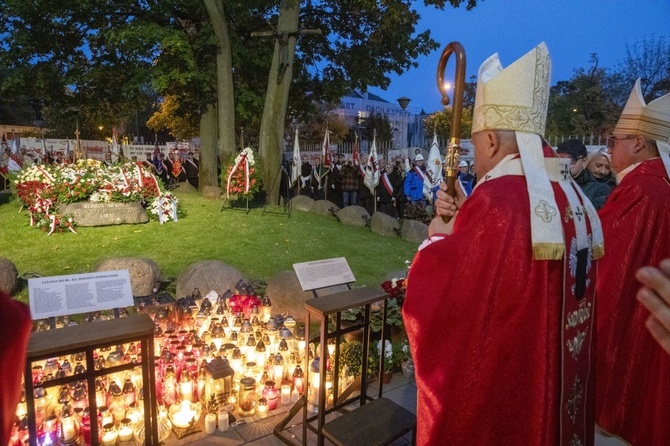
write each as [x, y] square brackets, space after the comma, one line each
[105, 214]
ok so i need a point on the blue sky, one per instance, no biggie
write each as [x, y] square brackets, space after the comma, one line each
[572, 29]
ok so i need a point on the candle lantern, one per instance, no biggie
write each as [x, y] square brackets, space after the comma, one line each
[109, 434]
[22, 407]
[126, 430]
[217, 334]
[271, 394]
[218, 384]
[266, 306]
[250, 302]
[236, 361]
[278, 367]
[129, 392]
[117, 402]
[235, 303]
[262, 408]
[314, 386]
[68, 427]
[79, 368]
[260, 354]
[186, 386]
[250, 348]
[80, 396]
[247, 396]
[184, 417]
[298, 380]
[169, 386]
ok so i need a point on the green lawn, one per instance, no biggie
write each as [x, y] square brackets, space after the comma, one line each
[258, 245]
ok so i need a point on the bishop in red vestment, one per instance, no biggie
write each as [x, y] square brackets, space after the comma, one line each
[500, 326]
[633, 371]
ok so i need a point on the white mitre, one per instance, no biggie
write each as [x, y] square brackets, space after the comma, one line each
[649, 120]
[516, 98]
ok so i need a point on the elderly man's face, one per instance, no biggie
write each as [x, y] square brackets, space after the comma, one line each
[622, 150]
[389, 168]
[304, 159]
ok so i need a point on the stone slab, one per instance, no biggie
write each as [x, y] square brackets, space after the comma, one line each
[105, 214]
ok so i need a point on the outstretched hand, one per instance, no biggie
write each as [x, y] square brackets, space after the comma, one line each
[655, 296]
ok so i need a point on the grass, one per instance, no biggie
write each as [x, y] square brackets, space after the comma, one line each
[258, 245]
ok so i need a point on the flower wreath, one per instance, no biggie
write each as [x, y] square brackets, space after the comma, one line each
[241, 175]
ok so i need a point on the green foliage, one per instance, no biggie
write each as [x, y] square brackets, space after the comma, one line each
[440, 122]
[393, 315]
[582, 106]
[377, 124]
[351, 358]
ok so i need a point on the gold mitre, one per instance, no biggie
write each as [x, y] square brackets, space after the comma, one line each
[514, 98]
[649, 120]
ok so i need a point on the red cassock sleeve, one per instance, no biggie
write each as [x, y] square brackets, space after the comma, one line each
[483, 320]
[15, 326]
[633, 372]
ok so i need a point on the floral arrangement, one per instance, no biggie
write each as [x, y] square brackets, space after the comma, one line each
[42, 188]
[242, 176]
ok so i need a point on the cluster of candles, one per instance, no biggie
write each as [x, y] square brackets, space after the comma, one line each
[216, 355]
[62, 414]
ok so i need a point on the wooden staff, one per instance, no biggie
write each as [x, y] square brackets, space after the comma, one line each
[454, 148]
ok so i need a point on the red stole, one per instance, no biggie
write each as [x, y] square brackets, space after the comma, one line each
[387, 184]
[418, 171]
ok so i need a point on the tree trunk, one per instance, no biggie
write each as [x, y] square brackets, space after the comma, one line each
[208, 152]
[276, 97]
[224, 80]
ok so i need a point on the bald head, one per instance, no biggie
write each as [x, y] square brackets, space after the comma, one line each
[491, 146]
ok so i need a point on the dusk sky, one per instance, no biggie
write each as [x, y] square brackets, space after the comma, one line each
[572, 30]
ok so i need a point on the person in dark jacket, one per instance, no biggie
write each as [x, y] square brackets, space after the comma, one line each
[594, 190]
[389, 191]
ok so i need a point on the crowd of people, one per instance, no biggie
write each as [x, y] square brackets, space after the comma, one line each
[171, 170]
[401, 183]
[546, 336]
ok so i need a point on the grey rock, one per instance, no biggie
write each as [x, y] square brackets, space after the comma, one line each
[206, 276]
[323, 207]
[212, 191]
[353, 216]
[302, 203]
[143, 272]
[384, 224]
[414, 231]
[185, 186]
[287, 295]
[104, 214]
[9, 276]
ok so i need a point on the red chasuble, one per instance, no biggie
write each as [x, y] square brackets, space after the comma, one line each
[633, 372]
[502, 346]
[15, 325]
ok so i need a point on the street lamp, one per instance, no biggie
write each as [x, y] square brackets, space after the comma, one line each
[404, 102]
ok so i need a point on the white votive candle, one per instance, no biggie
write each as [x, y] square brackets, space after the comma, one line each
[223, 421]
[285, 394]
[210, 423]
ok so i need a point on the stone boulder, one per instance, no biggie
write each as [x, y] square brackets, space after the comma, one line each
[353, 216]
[398, 274]
[302, 203]
[384, 224]
[185, 186]
[287, 296]
[208, 275]
[212, 192]
[9, 276]
[104, 214]
[414, 231]
[323, 207]
[143, 272]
